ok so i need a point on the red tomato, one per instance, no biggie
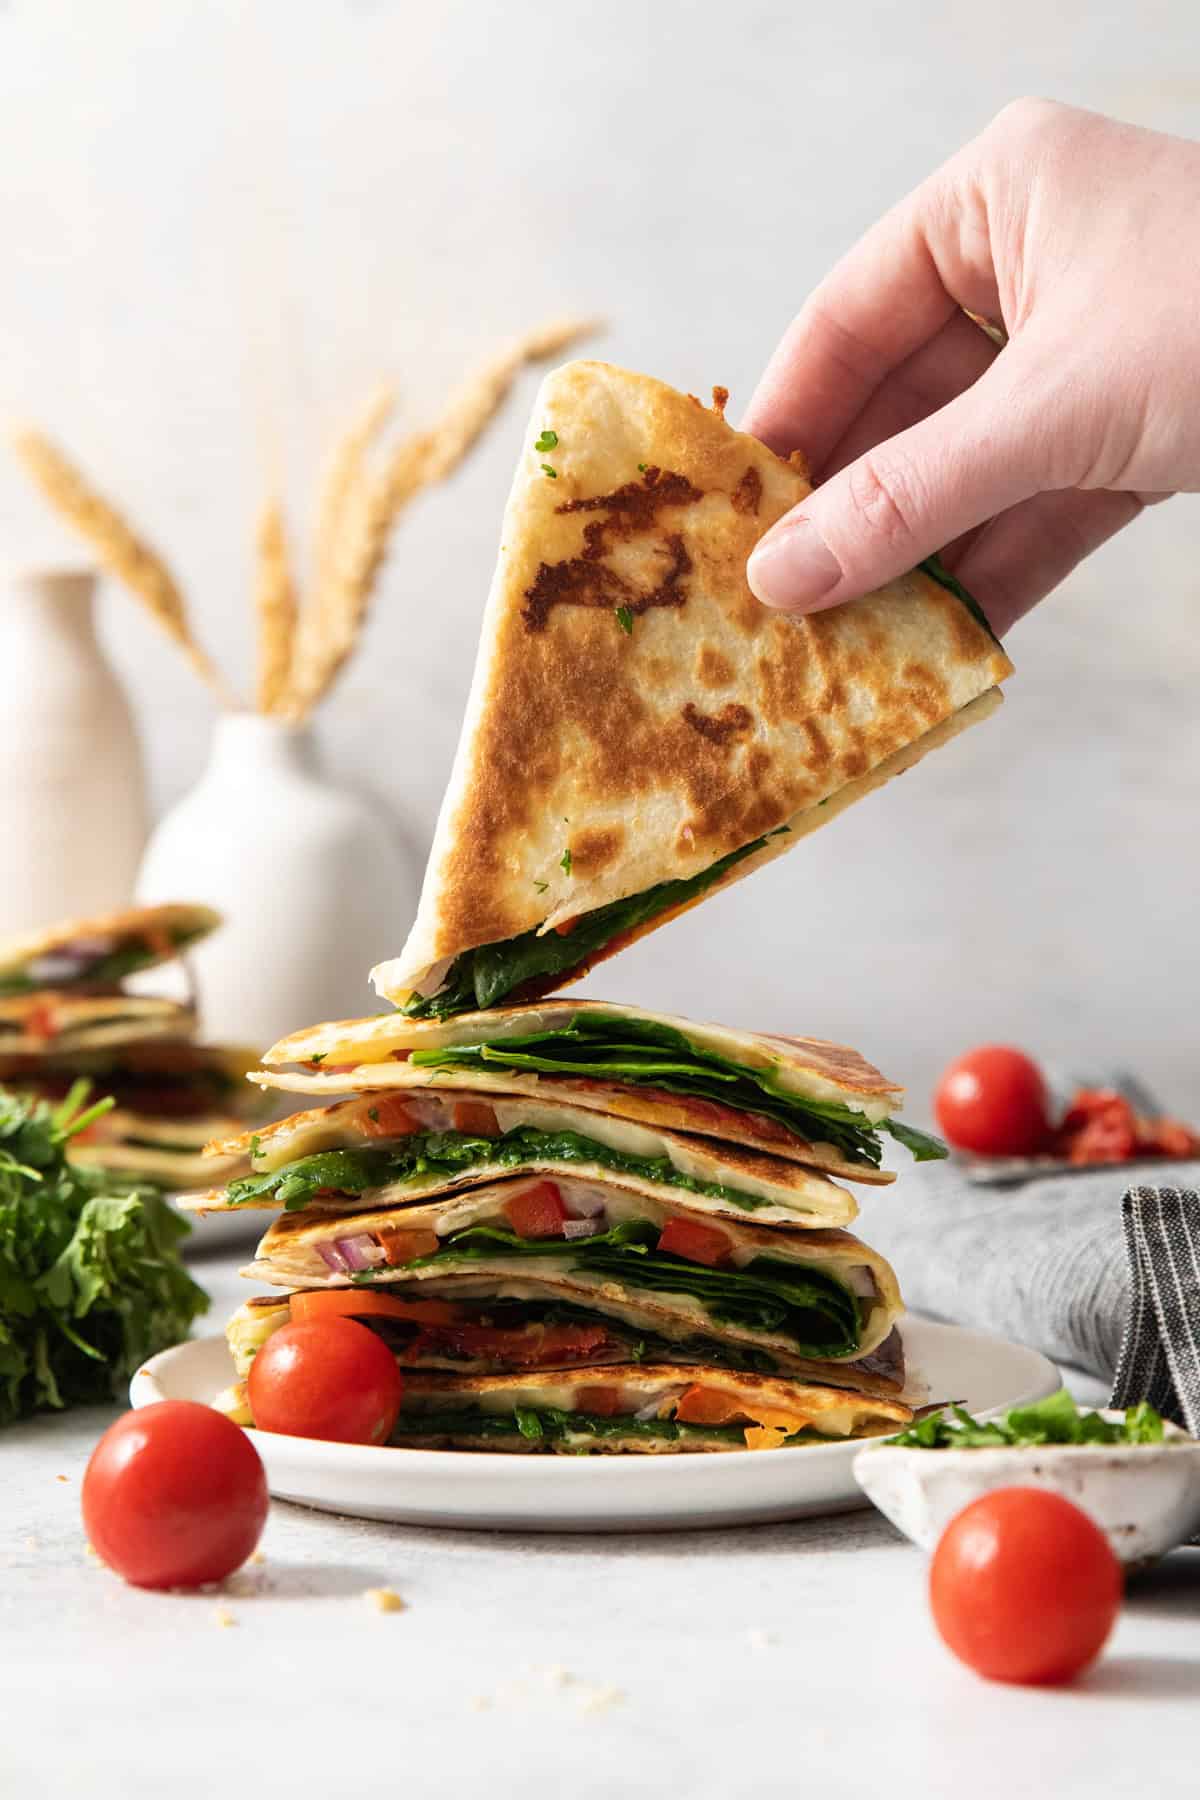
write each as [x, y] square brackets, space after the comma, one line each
[518, 1346]
[536, 1211]
[1024, 1587]
[402, 1247]
[361, 1303]
[706, 1406]
[327, 1378]
[993, 1101]
[477, 1118]
[601, 1402]
[389, 1117]
[697, 1243]
[174, 1495]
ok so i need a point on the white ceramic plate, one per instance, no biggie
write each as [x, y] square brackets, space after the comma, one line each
[500, 1492]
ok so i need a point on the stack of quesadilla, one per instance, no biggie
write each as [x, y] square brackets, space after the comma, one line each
[584, 1226]
[66, 1014]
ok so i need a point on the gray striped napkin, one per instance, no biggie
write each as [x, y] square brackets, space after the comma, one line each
[1108, 1288]
[1159, 1359]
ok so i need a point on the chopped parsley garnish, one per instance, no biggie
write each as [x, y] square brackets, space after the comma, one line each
[551, 474]
[319, 1058]
[547, 441]
[541, 886]
[625, 619]
[565, 864]
[641, 468]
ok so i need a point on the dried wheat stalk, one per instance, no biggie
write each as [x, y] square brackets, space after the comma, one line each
[369, 506]
[275, 608]
[117, 547]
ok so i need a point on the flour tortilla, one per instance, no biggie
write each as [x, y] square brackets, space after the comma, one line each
[45, 955]
[52, 1023]
[772, 1191]
[635, 714]
[166, 1152]
[769, 1407]
[359, 1055]
[289, 1255]
[881, 1372]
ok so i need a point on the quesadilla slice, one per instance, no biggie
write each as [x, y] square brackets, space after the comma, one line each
[163, 1080]
[392, 1149]
[821, 1295]
[640, 732]
[469, 1325]
[651, 1410]
[97, 954]
[59, 1024]
[142, 1150]
[815, 1103]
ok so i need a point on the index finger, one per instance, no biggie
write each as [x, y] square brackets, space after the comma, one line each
[887, 297]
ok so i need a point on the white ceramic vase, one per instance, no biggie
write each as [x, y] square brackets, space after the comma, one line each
[74, 796]
[312, 879]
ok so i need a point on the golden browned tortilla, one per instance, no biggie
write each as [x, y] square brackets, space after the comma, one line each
[635, 714]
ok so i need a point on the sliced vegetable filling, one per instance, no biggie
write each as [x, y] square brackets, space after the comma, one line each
[96, 964]
[813, 1309]
[534, 960]
[545, 1426]
[643, 1052]
[412, 1160]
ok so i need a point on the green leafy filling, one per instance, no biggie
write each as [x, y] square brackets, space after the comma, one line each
[484, 977]
[101, 971]
[90, 1280]
[937, 571]
[613, 1048]
[1057, 1420]
[449, 1153]
[812, 1309]
[551, 1425]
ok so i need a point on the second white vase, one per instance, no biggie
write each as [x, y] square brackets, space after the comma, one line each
[312, 879]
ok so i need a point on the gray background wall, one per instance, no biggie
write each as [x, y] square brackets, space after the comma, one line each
[219, 224]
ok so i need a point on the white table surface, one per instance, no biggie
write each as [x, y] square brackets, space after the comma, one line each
[781, 1659]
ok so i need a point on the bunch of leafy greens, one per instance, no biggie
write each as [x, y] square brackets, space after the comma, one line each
[434, 1155]
[610, 1047]
[1057, 1420]
[796, 1300]
[90, 1281]
[484, 977]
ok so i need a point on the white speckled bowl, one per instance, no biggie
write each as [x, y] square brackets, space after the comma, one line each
[1144, 1497]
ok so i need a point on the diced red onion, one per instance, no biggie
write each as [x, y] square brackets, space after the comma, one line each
[360, 1252]
[650, 1410]
[583, 1203]
[581, 1228]
[333, 1259]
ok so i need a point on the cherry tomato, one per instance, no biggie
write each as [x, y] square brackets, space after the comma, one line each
[1024, 1587]
[327, 1378]
[174, 1495]
[993, 1101]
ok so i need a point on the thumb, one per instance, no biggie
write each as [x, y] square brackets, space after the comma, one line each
[910, 495]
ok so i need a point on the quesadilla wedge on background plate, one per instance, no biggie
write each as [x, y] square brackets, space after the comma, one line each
[61, 1023]
[392, 1149]
[98, 953]
[164, 1079]
[816, 1294]
[640, 732]
[813, 1102]
[165, 1153]
[654, 1409]
[471, 1325]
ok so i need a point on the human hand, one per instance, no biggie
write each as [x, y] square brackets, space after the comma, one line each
[1080, 235]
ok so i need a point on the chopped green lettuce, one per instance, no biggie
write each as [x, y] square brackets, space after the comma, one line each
[1057, 1420]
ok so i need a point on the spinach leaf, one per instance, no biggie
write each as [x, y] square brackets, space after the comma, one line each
[484, 977]
[550, 1425]
[799, 1301]
[934, 567]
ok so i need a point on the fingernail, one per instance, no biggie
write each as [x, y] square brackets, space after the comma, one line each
[792, 567]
